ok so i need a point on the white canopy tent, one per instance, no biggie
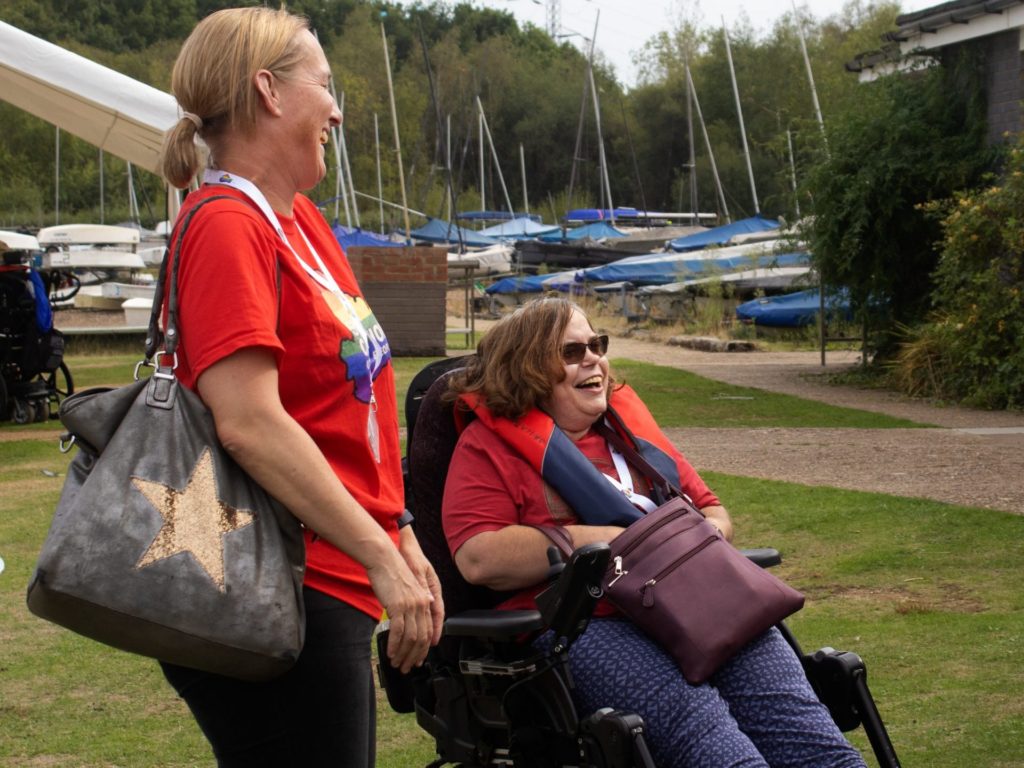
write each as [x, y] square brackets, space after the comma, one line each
[104, 107]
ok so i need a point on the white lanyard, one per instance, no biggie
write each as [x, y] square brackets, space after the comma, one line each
[322, 276]
[625, 482]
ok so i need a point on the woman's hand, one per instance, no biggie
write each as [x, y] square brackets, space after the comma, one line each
[413, 606]
[421, 568]
[719, 517]
[242, 393]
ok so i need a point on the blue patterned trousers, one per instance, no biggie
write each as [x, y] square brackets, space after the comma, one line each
[757, 710]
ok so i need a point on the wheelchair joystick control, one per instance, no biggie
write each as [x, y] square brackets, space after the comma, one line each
[555, 563]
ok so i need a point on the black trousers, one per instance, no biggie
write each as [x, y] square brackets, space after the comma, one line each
[321, 713]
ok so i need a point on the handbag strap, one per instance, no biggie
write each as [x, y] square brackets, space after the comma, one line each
[559, 537]
[662, 487]
[170, 338]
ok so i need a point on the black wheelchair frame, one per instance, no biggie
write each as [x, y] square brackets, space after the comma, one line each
[33, 375]
[488, 699]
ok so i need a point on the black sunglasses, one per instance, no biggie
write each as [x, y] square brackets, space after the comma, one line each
[575, 351]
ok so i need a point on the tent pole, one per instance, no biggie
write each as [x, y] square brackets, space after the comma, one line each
[56, 180]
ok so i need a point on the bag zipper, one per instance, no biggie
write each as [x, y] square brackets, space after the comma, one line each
[619, 572]
[647, 590]
[665, 521]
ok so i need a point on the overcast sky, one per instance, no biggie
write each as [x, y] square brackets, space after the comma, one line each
[625, 25]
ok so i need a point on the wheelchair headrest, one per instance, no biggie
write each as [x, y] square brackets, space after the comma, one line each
[432, 436]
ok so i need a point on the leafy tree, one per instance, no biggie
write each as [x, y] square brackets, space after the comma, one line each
[910, 140]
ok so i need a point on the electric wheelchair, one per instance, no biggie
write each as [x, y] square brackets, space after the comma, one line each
[489, 699]
[33, 375]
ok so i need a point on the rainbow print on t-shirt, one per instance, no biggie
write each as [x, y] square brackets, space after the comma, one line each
[363, 354]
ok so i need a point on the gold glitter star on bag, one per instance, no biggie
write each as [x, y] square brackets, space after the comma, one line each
[195, 520]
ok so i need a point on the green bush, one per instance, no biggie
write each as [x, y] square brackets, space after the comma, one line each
[970, 350]
[907, 141]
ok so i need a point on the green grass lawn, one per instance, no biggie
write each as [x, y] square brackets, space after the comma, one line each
[929, 594]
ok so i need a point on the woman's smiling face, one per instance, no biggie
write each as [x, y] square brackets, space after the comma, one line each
[311, 112]
[581, 397]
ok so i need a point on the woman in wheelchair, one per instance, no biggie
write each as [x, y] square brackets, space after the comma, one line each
[543, 367]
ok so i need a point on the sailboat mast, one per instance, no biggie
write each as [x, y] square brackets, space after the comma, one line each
[810, 76]
[694, 200]
[398, 143]
[345, 164]
[707, 143]
[597, 119]
[380, 181]
[494, 153]
[522, 170]
[340, 195]
[739, 112]
[480, 137]
[792, 171]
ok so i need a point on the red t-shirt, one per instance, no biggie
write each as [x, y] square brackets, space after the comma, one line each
[230, 300]
[491, 486]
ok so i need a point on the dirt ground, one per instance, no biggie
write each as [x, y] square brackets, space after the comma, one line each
[968, 456]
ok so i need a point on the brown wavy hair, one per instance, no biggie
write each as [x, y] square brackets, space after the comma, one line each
[519, 360]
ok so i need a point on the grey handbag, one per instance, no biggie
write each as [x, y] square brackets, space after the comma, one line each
[161, 544]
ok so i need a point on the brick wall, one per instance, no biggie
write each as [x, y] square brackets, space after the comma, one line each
[1003, 83]
[1003, 63]
[406, 289]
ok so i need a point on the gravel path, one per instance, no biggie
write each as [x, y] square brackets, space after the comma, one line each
[966, 456]
[969, 457]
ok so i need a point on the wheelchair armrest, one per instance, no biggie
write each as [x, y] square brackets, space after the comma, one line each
[496, 625]
[569, 602]
[765, 557]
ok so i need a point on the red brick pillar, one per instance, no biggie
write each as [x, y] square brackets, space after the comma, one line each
[406, 289]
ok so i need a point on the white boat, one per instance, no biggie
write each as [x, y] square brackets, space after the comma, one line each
[16, 241]
[100, 258]
[90, 247]
[487, 261]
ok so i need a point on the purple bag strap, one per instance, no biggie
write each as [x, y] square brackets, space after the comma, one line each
[559, 537]
[661, 486]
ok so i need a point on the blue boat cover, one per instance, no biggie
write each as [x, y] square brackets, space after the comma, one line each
[792, 310]
[603, 214]
[438, 231]
[349, 236]
[518, 229]
[673, 268]
[496, 216]
[530, 284]
[597, 231]
[721, 235]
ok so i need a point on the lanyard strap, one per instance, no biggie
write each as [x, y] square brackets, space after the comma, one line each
[322, 275]
[625, 482]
